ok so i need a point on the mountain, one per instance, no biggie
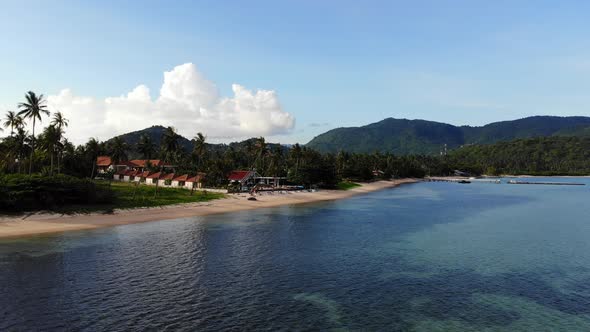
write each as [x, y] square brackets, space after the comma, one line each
[156, 132]
[402, 136]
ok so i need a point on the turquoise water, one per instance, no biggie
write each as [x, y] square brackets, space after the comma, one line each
[422, 257]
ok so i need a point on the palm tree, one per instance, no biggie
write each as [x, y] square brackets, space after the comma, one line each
[170, 144]
[200, 148]
[13, 121]
[59, 121]
[261, 152]
[33, 108]
[145, 146]
[93, 148]
[50, 139]
[21, 145]
[118, 149]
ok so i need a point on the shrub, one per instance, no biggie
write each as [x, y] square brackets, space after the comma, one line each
[20, 192]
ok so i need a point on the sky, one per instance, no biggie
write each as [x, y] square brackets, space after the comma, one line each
[290, 70]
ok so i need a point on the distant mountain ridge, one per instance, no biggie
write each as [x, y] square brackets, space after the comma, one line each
[156, 132]
[403, 136]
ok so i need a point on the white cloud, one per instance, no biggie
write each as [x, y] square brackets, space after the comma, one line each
[187, 101]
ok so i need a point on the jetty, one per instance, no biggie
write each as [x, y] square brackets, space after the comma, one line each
[547, 183]
[459, 180]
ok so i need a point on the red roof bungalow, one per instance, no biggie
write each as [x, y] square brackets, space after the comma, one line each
[142, 163]
[196, 181]
[244, 179]
[170, 176]
[154, 177]
[105, 163]
[180, 181]
[241, 176]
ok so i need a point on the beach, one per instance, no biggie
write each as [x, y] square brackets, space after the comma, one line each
[44, 223]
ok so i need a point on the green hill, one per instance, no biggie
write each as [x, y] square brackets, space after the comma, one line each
[402, 136]
[553, 155]
[156, 132]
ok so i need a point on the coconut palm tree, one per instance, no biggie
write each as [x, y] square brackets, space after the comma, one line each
[118, 149]
[145, 146]
[21, 145]
[261, 152]
[59, 121]
[170, 146]
[13, 121]
[33, 108]
[93, 149]
[200, 147]
[50, 139]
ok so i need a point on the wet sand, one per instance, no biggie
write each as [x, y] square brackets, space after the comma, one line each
[54, 223]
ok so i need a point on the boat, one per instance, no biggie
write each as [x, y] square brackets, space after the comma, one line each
[463, 181]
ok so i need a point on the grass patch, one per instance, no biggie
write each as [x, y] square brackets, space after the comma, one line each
[124, 198]
[128, 195]
[346, 185]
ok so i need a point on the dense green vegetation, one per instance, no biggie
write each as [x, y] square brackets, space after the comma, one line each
[130, 195]
[21, 192]
[535, 156]
[63, 193]
[401, 136]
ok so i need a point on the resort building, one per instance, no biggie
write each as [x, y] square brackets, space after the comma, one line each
[180, 181]
[195, 182]
[154, 178]
[105, 164]
[166, 180]
[244, 179]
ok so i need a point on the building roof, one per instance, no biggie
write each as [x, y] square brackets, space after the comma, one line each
[183, 177]
[103, 161]
[121, 172]
[197, 178]
[240, 175]
[144, 174]
[156, 175]
[131, 172]
[168, 176]
[153, 162]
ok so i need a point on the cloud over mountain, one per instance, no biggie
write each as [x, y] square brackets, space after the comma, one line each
[187, 101]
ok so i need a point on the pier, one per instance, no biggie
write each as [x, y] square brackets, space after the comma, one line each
[548, 183]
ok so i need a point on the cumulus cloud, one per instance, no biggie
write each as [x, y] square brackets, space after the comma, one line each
[187, 101]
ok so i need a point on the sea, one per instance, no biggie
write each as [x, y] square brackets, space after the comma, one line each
[428, 256]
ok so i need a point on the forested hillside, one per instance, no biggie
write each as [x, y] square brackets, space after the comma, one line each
[401, 136]
[535, 156]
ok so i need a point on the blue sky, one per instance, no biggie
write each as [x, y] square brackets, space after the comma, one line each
[330, 63]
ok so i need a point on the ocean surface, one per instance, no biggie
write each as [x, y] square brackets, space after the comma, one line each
[421, 257]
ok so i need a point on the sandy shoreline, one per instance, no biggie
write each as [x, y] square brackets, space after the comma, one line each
[54, 223]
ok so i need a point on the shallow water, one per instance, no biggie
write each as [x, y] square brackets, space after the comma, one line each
[427, 256]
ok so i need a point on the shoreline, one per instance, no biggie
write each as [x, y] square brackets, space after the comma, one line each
[46, 223]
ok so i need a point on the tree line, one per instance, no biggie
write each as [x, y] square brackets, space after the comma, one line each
[50, 153]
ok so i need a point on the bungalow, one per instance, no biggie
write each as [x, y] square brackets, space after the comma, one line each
[245, 179]
[130, 175]
[105, 164]
[166, 180]
[141, 176]
[120, 175]
[142, 164]
[153, 178]
[180, 181]
[195, 182]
